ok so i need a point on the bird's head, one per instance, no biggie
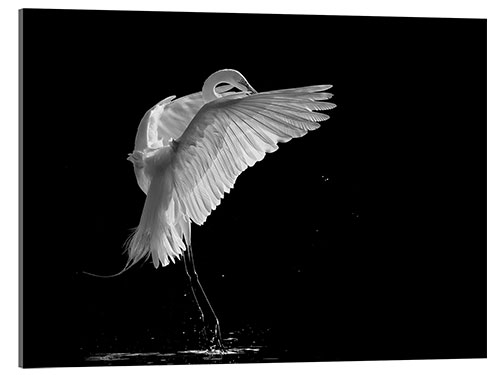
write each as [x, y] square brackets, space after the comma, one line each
[229, 76]
[236, 79]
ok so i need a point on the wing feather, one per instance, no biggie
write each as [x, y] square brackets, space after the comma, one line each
[231, 134]
[259, 131]
[241, 138]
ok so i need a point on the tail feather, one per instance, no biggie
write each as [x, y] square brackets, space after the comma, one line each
[163, 233]
[162, 227]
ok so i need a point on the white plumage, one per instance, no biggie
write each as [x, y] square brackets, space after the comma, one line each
[189, 152]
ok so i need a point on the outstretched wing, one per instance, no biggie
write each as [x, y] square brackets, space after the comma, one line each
[230, 134]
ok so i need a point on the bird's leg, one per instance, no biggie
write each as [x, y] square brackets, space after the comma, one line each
[215, 333]
[202, 316]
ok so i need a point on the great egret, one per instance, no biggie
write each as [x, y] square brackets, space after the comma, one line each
[189, 152]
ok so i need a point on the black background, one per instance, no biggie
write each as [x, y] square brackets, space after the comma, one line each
[364, 240]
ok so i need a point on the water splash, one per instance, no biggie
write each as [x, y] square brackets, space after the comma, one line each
[228, 355]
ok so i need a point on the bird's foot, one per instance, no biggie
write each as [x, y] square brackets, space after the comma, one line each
[215, 339]
[137, 158]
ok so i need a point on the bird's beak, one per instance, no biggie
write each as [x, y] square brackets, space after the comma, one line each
[249, 88]
[243, 85]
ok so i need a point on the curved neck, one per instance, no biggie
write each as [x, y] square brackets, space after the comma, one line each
[208, 91]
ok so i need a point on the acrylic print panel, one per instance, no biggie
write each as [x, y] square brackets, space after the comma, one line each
[363, 240]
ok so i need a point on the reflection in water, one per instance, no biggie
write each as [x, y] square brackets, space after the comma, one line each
[245, 345]
[229, 355]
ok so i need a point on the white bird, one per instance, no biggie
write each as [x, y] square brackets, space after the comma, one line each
[189, 152]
